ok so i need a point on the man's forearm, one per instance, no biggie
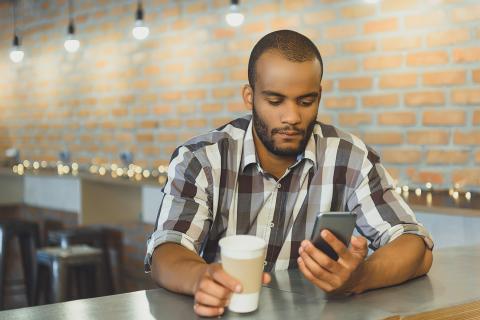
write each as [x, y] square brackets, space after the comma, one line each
[404, 258]
[176, 268]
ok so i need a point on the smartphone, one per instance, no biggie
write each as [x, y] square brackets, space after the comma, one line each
[341, 224]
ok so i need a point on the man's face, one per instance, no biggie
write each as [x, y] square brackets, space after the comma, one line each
[285, 103]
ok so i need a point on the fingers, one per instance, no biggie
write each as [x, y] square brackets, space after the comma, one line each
[266, 278]
[318, 256]
[213, 288]
[327, 287]
[205, 311]
[318, 271]
[219, 275]
[336, 244]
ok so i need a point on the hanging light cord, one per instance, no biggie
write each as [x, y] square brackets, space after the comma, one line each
[71, 27]
[14, 18]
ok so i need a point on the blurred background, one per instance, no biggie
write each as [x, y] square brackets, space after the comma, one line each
[87, 127]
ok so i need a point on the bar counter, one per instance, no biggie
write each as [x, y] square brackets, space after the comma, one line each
[453, 280]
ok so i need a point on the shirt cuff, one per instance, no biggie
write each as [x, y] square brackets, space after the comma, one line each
[404, 228]
[163, 236]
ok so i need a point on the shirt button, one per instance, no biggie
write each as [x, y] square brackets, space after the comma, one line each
[265, 263]
[272, 224]
[279, 186]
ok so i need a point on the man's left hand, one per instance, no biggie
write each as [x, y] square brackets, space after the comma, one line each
[334, 277]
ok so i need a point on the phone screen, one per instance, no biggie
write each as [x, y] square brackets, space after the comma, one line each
[341, 224]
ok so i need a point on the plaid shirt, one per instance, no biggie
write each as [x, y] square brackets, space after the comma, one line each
[216, 188]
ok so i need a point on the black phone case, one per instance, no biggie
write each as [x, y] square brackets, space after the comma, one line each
[342, 236]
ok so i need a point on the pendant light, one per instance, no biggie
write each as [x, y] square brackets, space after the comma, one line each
[234, 17]
[71, 44]
[140, 31]
[16, 53]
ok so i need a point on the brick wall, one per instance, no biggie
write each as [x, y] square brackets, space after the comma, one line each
[403, 75]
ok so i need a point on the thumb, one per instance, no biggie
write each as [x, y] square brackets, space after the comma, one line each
[358, 244]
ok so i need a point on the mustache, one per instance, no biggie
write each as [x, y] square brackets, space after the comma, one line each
[288, 129]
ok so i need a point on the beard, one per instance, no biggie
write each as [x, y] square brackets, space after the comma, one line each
[261, 128]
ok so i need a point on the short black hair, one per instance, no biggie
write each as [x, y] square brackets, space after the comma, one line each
[292, 45]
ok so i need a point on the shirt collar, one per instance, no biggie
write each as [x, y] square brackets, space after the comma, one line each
[250, 155]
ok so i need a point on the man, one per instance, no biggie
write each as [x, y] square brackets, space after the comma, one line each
[268, 174]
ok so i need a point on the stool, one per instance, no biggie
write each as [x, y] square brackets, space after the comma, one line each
[93, 236]
[60, 262]
[28, 236]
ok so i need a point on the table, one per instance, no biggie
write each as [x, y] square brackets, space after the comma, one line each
[454, 279]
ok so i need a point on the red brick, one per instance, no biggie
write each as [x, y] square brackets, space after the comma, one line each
[444, 117]
[144, 137]
[466, 96]
[339, 103]
[319, 17]
[342, 65]
[397, 118]
[476, 117]
[358, 83]
[476, 75]
[466, 54]
[382, 25]
[426, 19]
[383, 137]
[196, 123]
[468, 176]
[427, 58]
[401, 43]
[467, 137]
[401, 155]
[338, 32]
[357, 11]
[399, 80]
[149, 124]
[449, 37]
[382, 62]
[434, 177]
[225, 92]
[428, 137]
[447, 157]
[359, 46]
[162, 109]
[354, 119]
[444, 77]
[212, 107]
[384, 100]
[395, 5]
[426, 98]
[477, 157]
[466, 13]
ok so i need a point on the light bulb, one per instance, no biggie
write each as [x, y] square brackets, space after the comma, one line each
[234, 17]
[72, 45]
[140, 31]
[16, 55]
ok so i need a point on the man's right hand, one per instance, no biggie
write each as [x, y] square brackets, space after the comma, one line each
[214, 288]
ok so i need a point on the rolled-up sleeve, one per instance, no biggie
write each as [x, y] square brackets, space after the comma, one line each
[184, 216]
[382, 214]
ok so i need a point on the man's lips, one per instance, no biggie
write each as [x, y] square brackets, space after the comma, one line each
[289, 133]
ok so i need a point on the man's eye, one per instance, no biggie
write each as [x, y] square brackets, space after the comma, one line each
[274, 102]
[306, 103]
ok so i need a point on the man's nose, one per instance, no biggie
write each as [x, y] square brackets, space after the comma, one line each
[291, 114]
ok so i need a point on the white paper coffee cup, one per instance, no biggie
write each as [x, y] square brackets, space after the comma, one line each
[242, 258]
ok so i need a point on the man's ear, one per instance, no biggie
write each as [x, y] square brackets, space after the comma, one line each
[247, 95]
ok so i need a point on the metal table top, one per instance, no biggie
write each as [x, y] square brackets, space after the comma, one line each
[453, 279]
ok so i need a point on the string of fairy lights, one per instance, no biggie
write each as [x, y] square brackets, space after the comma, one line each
[140, 31]
[135, 172]
[131, 172]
